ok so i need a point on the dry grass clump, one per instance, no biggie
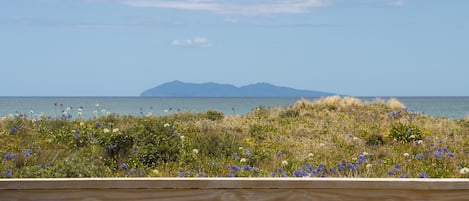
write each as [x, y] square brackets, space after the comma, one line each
[395, 104]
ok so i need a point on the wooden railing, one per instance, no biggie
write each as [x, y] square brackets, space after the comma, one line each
[175, 189]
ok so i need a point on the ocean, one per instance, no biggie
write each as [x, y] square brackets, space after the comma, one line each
[88, 107]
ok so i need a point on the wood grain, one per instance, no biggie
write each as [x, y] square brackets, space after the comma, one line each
[263, 189]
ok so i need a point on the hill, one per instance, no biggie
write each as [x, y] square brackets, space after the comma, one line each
[210, 89]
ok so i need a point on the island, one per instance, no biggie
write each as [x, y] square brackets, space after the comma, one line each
[211, 89]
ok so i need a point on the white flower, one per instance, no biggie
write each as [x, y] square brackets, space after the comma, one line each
[97, 105]
[419, 142]
[356, 138]
[369, 166]
[31, 111]
[166, 125]
[115, 130]
[365, 153]
[406, 155]
[80, 113]
[464, 170]
[322, 144]
[182, 137]
[106, 130]
[103, 111]
[33, 120]
[284, 162]
[108, 113]
[195, 151]
[240, 148]
[149, 114]
[82, 124]
[242, 160]
[310, 155]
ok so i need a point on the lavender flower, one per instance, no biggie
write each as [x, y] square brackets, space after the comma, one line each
[9, 156]
[27, 153]
[8, 173]
[422, 175]
[123, 166]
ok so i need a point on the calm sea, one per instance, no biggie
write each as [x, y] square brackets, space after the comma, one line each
[450, 107]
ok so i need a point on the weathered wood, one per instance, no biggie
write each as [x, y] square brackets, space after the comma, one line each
[100, 189]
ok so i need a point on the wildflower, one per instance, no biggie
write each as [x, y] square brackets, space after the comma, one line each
[351, 166]
[76, 134]
[406, 155]
[115, 130]
[340, 167]
[242, 160]
[422, 175]
[27, 153]
[369, 166]
[195, 151]
[123, 166]
[105, 130]
[182, 137]
[234, 169]
[298, 173]
[240, 148]
[9, 156]
[437, 154]
[235, 156]
[97, 125]
[8, 173]
[284, 162]
[248, 153]
[166, 125]
[246, 167]
[322, 144]
[418, 142]
[13, 130]
[181, 174]
[310, 155]
[97, 105]
[419, 156]
[464, 170]
[279, 153]
[82, 123]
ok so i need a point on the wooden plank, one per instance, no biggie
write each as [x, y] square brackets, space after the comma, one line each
[100, 189]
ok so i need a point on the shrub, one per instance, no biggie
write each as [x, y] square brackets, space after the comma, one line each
[214, 115]
[405, 133]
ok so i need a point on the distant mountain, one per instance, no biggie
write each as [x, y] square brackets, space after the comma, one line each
[181, 89]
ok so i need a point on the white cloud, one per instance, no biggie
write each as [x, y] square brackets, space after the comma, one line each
[397, 3]
[195, 42]
[223, 7]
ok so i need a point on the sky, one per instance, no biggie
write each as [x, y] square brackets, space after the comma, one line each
[123, 47]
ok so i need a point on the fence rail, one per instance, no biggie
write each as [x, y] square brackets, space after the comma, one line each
[174, 189]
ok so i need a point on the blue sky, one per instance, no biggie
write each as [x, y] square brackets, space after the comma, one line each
[123, 47]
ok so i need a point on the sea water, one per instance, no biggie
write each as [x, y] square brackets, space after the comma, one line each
[88, 107]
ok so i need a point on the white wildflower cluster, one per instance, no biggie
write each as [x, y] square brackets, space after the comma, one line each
[464, 170]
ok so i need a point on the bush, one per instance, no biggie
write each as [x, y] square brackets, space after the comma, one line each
[214, 115]
[405, 133]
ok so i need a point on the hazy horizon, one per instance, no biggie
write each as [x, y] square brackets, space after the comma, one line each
[119, 48]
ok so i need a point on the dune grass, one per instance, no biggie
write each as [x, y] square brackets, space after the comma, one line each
[330, 137]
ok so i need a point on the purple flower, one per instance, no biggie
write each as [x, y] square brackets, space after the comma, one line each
[8, 173]
[123, 166]
[76, 134]
[351, 166]
[299, 173]
[248, 153]
[437, 154]
[235, 156]
[422, 175]
[98, 125]
[340, 167]
[272, 174]
[279, 153]
[27, 153]
[419, 156]
[13, 130]
[9, 156]
[246, 167]
[234, 169]
[181, 174]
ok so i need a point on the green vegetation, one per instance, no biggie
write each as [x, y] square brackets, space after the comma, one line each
[331, 137]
